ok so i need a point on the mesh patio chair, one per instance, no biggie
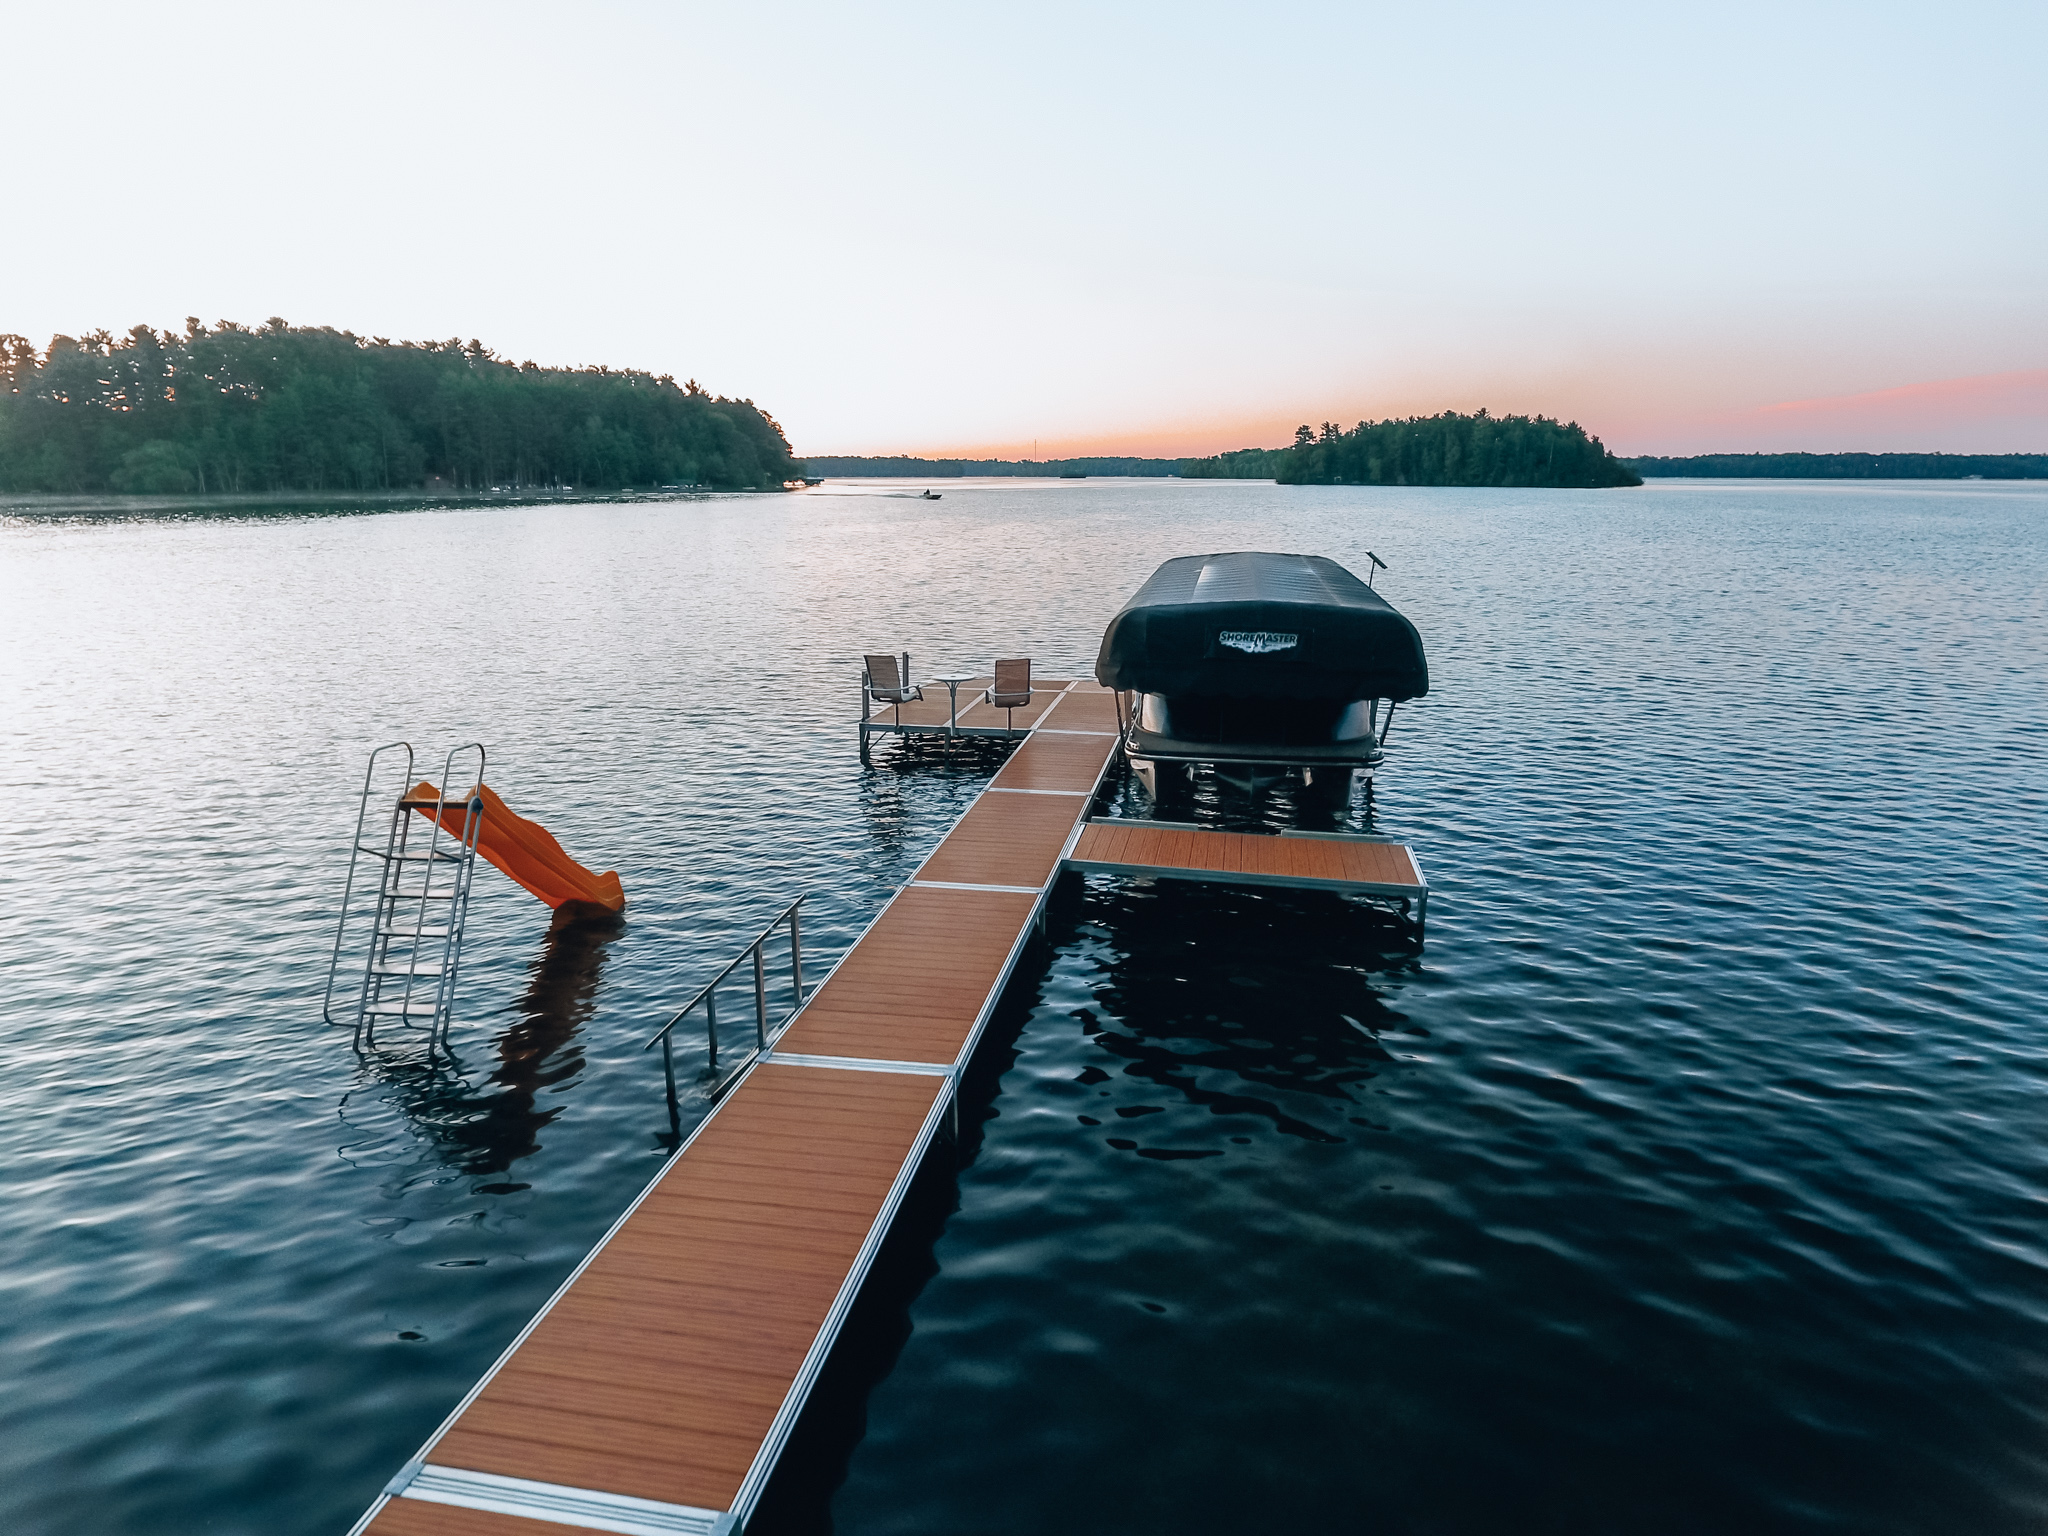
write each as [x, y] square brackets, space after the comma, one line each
[887, 680]
[1011, 690]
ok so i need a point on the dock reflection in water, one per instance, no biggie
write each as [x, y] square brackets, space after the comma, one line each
[1300, 1008]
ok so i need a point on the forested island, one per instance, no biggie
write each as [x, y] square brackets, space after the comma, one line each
[1447, 449]
[230, 409]
[1851, 466]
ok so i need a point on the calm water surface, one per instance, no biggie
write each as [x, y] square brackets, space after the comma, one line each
[1693, 1177]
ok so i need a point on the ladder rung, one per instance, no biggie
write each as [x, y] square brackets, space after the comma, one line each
[412, 933]
[415, 893]
[405, 970]
[436, 856]
[423, 1009]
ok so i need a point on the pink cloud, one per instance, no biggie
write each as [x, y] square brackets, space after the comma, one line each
[1987, 413]
[1987, 393]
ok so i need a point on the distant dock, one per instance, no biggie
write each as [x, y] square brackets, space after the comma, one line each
[960, 713]
[654, 1392]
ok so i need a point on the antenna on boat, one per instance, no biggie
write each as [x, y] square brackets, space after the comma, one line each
[1376, 560]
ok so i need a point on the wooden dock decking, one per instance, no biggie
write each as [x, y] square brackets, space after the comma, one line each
[1353, 864]
[653, 1393]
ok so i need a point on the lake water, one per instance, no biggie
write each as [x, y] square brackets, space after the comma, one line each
[1693, 1177]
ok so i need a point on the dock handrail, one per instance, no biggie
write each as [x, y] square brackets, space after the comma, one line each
[708, 996]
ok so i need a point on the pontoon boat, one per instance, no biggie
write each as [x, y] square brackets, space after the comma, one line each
[1259, 665]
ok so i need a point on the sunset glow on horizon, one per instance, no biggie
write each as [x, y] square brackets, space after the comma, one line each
[1146, 230]
[1975, 415]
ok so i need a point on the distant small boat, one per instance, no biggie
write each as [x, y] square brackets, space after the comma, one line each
[929, 496]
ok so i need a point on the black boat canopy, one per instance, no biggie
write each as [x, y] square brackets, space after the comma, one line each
[1254, 625]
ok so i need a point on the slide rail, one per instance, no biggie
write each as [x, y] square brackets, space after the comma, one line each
[357, 849]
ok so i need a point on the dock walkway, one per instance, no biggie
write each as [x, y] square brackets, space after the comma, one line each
[653, 1393]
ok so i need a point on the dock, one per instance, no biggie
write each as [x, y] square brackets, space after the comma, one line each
[958, 713]
[1383, 870]
[653, 1393]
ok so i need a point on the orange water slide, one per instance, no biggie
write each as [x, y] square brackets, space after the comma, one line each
[528, 853]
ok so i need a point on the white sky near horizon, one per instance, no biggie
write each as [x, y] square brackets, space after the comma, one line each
[1106, 229]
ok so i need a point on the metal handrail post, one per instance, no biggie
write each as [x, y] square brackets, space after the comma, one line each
[349, 885]
[711, 1022]
[760, 996]
[796, 952]
[867, 704]
[668, 1067]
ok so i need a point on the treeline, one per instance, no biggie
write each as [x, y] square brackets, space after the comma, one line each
[1851, 466]
[230, 409]
[1240, 464]
[940, 469]
[1450, 449]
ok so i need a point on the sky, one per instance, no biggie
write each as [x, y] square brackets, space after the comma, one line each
[1145, 229]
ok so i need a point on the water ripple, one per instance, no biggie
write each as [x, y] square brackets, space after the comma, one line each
[1687, 1180]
